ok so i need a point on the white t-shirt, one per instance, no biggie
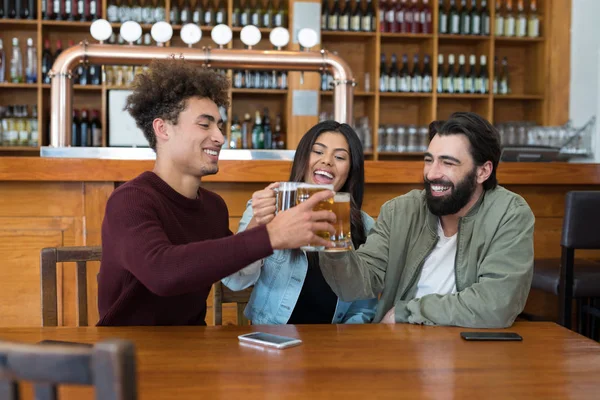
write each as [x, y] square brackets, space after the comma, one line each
[437, 275]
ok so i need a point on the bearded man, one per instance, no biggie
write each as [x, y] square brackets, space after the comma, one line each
[458, 253]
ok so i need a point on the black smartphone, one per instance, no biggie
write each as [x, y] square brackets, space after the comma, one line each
[60, 342]
[491, 336]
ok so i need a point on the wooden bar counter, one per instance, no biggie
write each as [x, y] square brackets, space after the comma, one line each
[47, 202]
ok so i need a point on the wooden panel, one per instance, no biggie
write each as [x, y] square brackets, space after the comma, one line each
[21, 240]
[447, 106]
[518, 110]
[40, 200]
[398, 110]
[524, 77]
[558, 15]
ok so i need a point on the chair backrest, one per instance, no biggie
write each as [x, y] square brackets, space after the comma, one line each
[109, 366]
[581, 221]
[222, 294]
[48, 259]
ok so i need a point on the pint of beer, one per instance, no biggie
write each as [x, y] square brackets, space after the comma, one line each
[341, 208]
[286, 195]
[304, 191]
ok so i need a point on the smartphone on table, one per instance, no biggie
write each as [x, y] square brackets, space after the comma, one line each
[491, 336]
[269, 340]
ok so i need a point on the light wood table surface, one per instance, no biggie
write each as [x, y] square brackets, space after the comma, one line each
[349, 362]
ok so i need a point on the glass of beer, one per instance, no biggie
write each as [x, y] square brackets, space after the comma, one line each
[341, 208]
[286, 195]
[304, 191]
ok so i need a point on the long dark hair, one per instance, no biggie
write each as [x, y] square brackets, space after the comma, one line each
[355, 183]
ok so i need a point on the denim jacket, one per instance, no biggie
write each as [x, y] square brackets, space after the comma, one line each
[278, 280]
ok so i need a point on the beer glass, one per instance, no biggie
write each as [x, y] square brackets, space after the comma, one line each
[304, 191]
[286, 195]
[341, 208]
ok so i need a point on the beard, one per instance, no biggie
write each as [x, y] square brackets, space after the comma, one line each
[458, 198]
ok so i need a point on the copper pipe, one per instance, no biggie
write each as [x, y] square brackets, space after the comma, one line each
[62, 88]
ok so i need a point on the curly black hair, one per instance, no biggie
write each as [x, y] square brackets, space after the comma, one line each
[162, 92]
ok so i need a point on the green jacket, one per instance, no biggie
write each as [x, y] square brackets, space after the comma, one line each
[493, 265]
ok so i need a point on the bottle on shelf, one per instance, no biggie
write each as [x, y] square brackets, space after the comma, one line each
[112, 11]
[247, 132]
[496, 84]
[31, 62]
[235, 140]
[258, 134]
[344, 17]
[174, 13]
[185, 15]
[450, 74]
[521, 28]
[533, 21]
[404, 79]
[440, 74]
[368, 18]
[482, 80]
[404, 17]
[384, 78]
[476, 20]
[246, 16]
[415, 18]
[76, 129]
[280, 17]
[416, 78]
[356, 17]
[504, 87]
[393, 75]
[427, 80]
[391, 18]
[472, 76]
[278, 135]
[256, 16]
[160, 13]
[442, 19]
[465, 18]
[16, 63]
[324, 15]
[459, 79]
[221, 13]
[334, 15]
[33, 127]
[382, 15]
[125, 11]
[84, 130]
[426, 18]
[47, 61]
[509, 20]
[267, 131]
[95, 12]
[485, 18]
[499, 21]
[2, 63]
[454, 18]
[236, 13]
[95, 129]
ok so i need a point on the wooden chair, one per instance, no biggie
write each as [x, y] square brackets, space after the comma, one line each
[48, 259]
[109, 366]
[222, 294]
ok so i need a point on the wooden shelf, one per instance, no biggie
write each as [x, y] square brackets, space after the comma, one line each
[518, 97]
[145, 27]
[469, 38]
[30, 23]
[416, 36]
[405, 94]
[514, 39]
[70, 24]
[203, 28]
[19, 148]
[462, 96]
[9, 85]
[401, 154]
[347, 34]
[237, 29]
[77, 87]
[356, 94]
[259, 91]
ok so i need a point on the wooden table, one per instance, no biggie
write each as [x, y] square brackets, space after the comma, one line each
[350, 361]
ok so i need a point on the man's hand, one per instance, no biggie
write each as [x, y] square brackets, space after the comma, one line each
[264, 205]
[390, 317]
[296, 227]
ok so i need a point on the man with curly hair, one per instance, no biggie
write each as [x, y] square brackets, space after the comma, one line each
[165, 240]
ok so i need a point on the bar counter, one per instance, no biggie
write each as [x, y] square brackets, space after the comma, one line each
[48, 202]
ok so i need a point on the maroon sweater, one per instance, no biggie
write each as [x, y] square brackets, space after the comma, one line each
[162, 251]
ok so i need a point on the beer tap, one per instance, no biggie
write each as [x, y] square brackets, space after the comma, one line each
[131, 31]
[101, 30]
[250, 35]
[279, 38]
[190, 34]
[221, 35]
[161, 32]
[307, 39]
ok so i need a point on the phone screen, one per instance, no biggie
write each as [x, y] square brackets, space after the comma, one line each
[267, 337]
